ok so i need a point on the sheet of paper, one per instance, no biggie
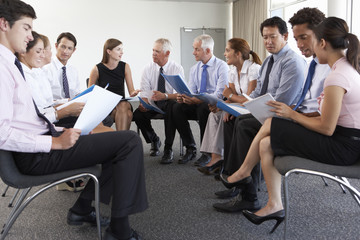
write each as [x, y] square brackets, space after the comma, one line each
[259, 109]
[82, 99]
[152, 105]
[99, 104]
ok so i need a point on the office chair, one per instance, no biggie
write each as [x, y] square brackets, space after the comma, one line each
[11, 176]
[287, 165]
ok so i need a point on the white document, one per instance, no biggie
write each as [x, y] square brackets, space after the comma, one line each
[259, 109]
[82, 99]
[99, 104]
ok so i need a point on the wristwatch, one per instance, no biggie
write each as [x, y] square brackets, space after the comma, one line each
[166, 96]
[230, 96]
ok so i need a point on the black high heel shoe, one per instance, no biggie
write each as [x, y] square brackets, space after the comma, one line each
[238, 184]
[278, 216]
[211, 169]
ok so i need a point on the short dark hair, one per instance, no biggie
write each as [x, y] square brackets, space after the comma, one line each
[67, 35]
[31, 44]
[13, 10]
[274, 22]
[311, 16]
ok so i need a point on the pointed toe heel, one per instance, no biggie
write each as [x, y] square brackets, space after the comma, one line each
[255, 219]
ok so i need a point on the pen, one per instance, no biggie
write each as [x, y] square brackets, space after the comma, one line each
[106, 86]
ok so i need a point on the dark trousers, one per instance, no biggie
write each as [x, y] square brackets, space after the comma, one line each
[238, 136]
[182, 113]
[143, 121]
[121, 156]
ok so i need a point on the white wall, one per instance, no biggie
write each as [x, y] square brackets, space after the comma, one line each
[136, 23]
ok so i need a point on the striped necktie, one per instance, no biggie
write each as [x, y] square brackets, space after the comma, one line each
[65, 83]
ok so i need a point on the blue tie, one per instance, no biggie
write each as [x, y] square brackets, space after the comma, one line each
[204, 76]
[307, 83]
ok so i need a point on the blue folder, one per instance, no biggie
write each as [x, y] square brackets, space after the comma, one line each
[232, 108]
[89, 89]
[150, 107]
[178, 84]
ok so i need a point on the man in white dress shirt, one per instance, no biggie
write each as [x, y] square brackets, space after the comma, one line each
[154, 86]
[63, 77]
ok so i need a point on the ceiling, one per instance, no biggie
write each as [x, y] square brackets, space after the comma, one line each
[202, 1]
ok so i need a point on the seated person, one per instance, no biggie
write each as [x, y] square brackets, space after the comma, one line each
[331, 138]
[154, 86]
[39, 149]
[40, 88]
[209, 75]
[111, 70]
[242, 79]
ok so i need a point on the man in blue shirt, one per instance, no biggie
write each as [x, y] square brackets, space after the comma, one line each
[208, 75]
[281, 75]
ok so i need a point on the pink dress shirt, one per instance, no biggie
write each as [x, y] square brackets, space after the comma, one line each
[21, 129]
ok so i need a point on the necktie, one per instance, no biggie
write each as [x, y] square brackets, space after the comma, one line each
[266, 80]
[52, 130]
[161, 88]
[307, 83]
[204, 76]
[65, 83]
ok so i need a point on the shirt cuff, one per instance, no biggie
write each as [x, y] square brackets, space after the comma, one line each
[43, 143]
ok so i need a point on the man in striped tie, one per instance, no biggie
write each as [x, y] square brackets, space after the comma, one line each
[63, 77]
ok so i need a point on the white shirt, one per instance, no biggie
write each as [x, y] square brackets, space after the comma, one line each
[41, 91]
[249, 72]
[55, 75]
[150, 76]
[310, 103]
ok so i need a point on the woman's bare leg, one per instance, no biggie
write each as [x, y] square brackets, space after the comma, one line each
[123, 116]
[272, 179]
[253, 155]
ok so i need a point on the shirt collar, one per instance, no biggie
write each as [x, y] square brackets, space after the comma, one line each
[245, 66]
[165, 67]
[57, 63]
[26, 68]
[210, 62]
[7, 54]
[281, 52]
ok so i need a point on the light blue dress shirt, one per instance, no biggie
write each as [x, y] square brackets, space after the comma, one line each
[217, 77]
[286, 78]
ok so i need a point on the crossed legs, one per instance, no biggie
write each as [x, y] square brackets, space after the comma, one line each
[261, 149]
[122, 115]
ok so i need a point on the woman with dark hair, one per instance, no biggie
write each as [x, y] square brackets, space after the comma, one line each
[115, 72]
[242, 80]
[331, 138]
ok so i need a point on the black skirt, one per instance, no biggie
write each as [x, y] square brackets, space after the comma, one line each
[290, 138]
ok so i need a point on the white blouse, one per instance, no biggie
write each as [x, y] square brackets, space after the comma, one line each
[249, 72]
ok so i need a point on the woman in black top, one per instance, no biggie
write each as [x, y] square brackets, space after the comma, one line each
[114, 72]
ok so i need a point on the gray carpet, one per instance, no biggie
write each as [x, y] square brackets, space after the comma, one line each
[181, 208]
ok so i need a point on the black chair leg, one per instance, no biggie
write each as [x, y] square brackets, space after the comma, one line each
[4, 193]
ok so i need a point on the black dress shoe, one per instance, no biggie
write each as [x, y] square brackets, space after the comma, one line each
[75, 219]
[155, 148]
[110, 236]
[189, 155]
[237, 204]
[211, 169]
[278, 216]
[239, 183]
[229, 193]
[168, 157]
[202, 161]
